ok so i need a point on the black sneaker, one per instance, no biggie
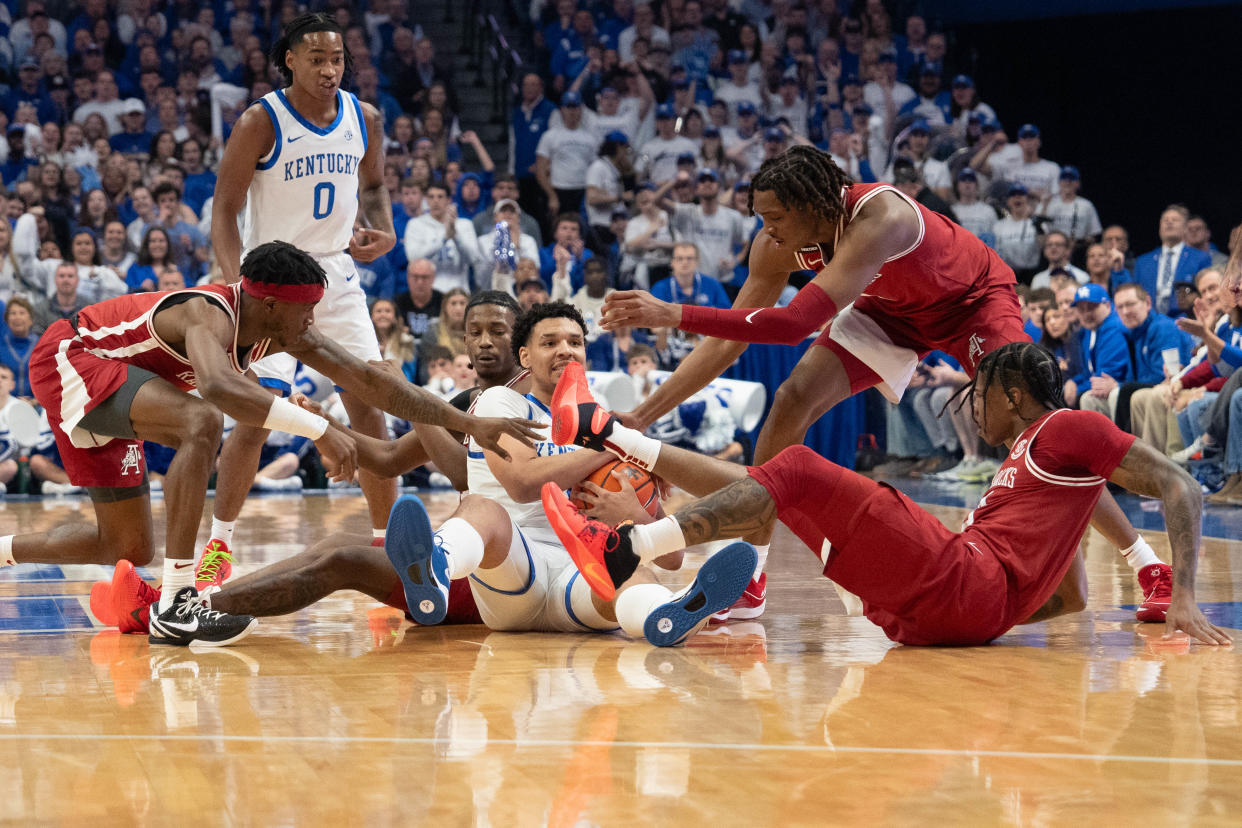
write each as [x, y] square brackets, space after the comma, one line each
[189, 620]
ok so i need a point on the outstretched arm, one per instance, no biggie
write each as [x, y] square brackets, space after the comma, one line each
[886, 227]
[1146, 471]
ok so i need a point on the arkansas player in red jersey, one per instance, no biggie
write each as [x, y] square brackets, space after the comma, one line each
[117, 374]
[1015, 561]
[895, 282]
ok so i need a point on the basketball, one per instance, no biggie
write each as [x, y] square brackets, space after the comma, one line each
[644, 483]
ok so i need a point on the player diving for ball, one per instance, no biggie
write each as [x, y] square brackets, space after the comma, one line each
[119, 373]
[1015, 561]
[893, 281]
[498, 540]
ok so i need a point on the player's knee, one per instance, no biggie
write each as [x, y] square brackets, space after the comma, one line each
[202, 425]
[133, 545]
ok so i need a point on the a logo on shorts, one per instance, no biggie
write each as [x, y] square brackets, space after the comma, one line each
[132, 461]
[975, 348]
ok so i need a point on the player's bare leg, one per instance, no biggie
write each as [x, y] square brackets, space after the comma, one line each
[380, 492]
[122, 532]
[239, 462]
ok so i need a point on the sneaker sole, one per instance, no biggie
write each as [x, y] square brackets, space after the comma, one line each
[748, 613]
[410, 545]
[720, 582]
[593, 571]
[201, 643]
[565, 400]
[1152, 614]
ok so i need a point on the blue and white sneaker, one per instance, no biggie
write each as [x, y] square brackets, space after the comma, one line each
[420, 562]
[720, 582]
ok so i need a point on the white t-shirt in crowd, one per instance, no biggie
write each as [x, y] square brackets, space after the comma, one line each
[732, 94]
[570, 152]
[1077, 219]
[1043, 278]
[979, 218]
[604, 175]
[1016, 242]
[659, 161]
[716, 235]
[1038, 176]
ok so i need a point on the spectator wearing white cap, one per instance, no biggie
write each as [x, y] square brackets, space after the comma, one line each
[1072, 214]
[501, 262]
[133, 139]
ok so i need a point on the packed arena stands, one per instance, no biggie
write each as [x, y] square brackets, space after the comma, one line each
[562, 149]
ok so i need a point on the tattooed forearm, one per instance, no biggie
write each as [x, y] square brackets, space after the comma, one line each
[1183, 508]
[738, 509]
[376, 207]
[409, 402]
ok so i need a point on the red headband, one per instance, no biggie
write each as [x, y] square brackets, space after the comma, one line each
[297, 294]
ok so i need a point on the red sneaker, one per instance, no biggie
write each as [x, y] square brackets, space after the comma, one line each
[749, 606]
[577, 419]
[1156, 581]
[132, 598]
[601, 553]
[101, 603]
[215, 566]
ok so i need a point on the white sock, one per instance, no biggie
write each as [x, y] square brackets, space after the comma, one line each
[222, 530]
[634, 446]
[762, 551]
[175, 578]
[636, 603]
[6, 551]
[1140, 554]
[654, 540]
[463, 546]
[379, 534]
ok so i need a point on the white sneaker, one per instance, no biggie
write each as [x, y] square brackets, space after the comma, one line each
[50, 488]
[1182, 458]
[983, 471]
[953, 474]
[293, 483]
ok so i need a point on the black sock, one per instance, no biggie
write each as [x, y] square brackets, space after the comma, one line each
[621, 560]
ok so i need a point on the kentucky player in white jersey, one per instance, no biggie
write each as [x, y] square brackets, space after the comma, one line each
[500, 538]
[306, 165]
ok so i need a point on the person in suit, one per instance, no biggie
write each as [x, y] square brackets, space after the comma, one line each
[1173, 261]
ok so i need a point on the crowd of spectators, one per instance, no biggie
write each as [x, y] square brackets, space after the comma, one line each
[630, 149]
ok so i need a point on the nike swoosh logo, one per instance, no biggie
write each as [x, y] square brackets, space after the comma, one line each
[182, 566]
[351, 278]
[181, 625]
[750, 316]
[971, 544]
[596, 572]
[299, 138]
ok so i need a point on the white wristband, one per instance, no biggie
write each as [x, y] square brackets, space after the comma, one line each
[289, 418]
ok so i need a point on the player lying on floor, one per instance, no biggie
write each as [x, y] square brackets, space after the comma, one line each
[1015, 561]
[521, 578]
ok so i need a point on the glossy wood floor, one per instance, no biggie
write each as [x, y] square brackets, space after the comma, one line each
[345, 715]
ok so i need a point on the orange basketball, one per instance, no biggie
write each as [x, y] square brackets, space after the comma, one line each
[644, 484]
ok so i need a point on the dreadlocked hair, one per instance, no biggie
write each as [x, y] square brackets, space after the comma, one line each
[495, 297]
[280, 263]
[296, 31]
[1022, 364]
[803, 178]
[525, 325]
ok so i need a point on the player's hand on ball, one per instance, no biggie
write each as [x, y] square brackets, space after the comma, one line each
[639, 309]
[612, 507]
[339, 454]
[368, 244]
[487, 430]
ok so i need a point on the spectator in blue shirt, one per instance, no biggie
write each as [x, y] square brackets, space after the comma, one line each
[200, 182]
[134, 138]
[567, 234]
[1173, 261]
[1106, 354]
[527, 126]
[14, 169]
[687, 286]
[1149, 336]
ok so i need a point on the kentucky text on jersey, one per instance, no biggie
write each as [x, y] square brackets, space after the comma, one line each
[331, 163]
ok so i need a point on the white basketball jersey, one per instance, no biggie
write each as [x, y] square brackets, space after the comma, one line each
[305, 190]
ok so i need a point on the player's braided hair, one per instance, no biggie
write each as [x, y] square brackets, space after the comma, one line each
[526, 323]
[495, 297]
[803, 178]
[1023, 364]
[296, 31]
[280, 263]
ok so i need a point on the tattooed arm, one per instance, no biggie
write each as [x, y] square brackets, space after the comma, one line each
[740, 508]
[1146, 471]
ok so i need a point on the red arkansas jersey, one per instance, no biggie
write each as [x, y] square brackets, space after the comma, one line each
[947, 266]
[1034, 514]
[122, 330]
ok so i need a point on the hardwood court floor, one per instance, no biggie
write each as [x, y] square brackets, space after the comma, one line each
[341, 715]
